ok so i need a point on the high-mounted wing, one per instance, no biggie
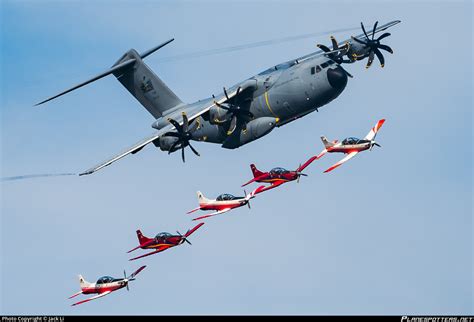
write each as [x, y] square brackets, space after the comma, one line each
[213, 214]
[373, 132]
[347, 158]
[158, 250]
[92, 298]
[140, 145]
[360, 36]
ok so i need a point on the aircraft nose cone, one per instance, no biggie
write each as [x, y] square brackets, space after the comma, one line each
[337, 77]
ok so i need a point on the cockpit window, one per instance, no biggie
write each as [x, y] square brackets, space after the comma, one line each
[313, 70]
[324, 65]
[225, 196]
[163, 235]
[350, 141]
[278, 171]
[318, 69]
[105, 279]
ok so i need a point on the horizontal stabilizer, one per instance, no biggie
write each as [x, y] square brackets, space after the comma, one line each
[93, 79]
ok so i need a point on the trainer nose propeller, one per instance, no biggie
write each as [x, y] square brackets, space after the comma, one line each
[372, 143]
[183, 239]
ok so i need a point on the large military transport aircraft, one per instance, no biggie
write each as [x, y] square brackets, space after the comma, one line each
[248, 110]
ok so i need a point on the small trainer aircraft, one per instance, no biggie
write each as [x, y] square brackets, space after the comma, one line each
[104, 285]
[278, 176]
[223, 203]
[162, 241]
[248, 110]
[351, 146]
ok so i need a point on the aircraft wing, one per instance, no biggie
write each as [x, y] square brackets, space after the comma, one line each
[307, 163]
[373, 132]
[360, 36]
[347, 158]
[93, 298]
[213, 214]
[140, 145]
[193, 229]
[158, 250]
[323, 152]
[273, 185]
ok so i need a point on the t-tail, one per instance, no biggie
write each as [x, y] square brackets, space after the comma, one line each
[139, 80]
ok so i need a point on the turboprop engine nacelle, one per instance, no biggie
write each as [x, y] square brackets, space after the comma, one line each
[255, 130]
[166, 142]
[217, 115]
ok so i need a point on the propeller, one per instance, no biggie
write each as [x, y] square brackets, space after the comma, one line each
[183, 134]
[374, 45]
[337, 53]
[183, 239]
[299, 174]
[248, 197]
[235, 111]
[126, 280]
[372, 143]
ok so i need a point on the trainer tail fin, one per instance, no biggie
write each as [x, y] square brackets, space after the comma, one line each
[255, 171]
[326, 143]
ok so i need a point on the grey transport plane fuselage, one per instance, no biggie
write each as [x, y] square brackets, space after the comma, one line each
[246, 111]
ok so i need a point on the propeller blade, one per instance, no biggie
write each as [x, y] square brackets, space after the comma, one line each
[347, 73]
[359, 41]
[176, 125]
[173, 134]
[334, 43]
[384, 36]
[248, 204]
[186, 240]
[225, 92]
[182, 153]
[363, 29]
[380, 57]
[233, 125]
[375, 143]
[124, 274]
[373, 31]
[194, 150]
[173, 146]
[323, 48]
[185, 122]
[386, 48]
[371, 59]
[127, 286]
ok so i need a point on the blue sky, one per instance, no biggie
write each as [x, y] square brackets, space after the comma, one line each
[390, 232]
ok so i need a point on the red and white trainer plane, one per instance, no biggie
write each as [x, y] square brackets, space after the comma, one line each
[104, 285]
[223, 203]
[351, 146]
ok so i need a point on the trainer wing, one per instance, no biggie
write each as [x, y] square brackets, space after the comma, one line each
[213, 214]
[373, 131]
[158, 250]
[93, 298]
[347, 158]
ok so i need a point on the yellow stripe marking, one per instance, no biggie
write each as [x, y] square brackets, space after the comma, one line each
[268, 104]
